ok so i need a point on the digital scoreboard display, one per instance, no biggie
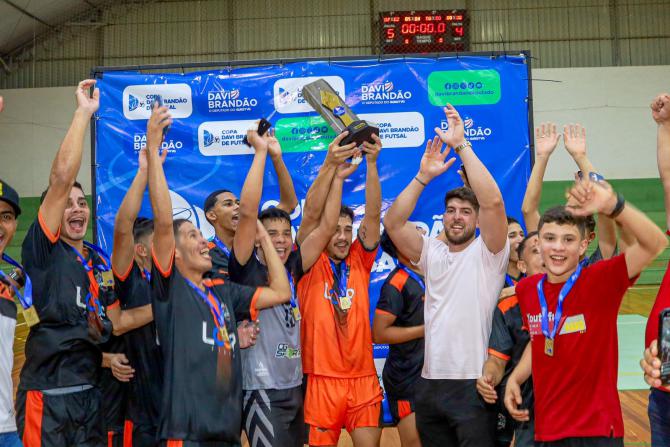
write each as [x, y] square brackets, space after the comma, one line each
[423, 31]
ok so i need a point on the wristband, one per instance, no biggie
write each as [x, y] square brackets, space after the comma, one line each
[417, 179]
[462, 146]
[618, 208]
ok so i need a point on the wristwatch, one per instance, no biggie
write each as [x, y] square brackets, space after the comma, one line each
[462, 146]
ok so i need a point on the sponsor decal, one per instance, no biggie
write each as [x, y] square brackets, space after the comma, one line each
[137, 100]
[230, 100]
[384, 92]
[402, 129]
[224, 137]
[171, 145]
[464, 87]
[287, 93]
[473, 131]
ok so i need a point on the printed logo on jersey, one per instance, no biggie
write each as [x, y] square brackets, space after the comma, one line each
[284, 351]
[288, 97]
[138, 99]
[383, 92]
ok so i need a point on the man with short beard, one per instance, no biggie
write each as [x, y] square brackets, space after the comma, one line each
[463, 277]
[58, 400]
[222, 209]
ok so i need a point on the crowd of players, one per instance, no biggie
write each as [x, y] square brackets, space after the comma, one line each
[179, 341]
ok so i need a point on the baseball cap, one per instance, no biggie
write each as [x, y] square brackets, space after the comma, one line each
[9, 195]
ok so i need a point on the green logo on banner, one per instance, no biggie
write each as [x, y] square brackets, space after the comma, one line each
[464, 87]
[303, 134]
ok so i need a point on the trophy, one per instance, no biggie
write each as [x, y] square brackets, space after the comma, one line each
[325, 100]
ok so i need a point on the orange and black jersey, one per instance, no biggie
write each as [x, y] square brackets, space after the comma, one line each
[508, 338]
[7, 305]
[142, 350]
[402, 296]
[60, 351]
[220, 261]
[114, 394]
[511, 281]
[202, 381]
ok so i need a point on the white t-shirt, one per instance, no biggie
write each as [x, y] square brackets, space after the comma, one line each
[7, 327]
[462, 290]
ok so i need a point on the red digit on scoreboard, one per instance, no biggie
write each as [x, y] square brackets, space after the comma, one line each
[458, 31]
[390, 33]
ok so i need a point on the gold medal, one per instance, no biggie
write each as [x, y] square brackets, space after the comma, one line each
[223, 332]
[107, 279]
[549, 346]
[31, 317]
[296, 313]
[345, 303]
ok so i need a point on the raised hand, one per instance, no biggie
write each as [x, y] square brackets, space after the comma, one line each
[86, 102]
[546, 139]
[2, 104]
[587, 197]
[455, 134]
[372, 149]
[274, 148]
[660, 109]
[574, 138]
[159, 119]
[432, 162]
[259, 143]
[345, 169]
[338, 154]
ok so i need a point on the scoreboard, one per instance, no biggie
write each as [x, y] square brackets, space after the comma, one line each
[423, 31]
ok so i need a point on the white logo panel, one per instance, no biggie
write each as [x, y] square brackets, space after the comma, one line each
[224, 137]
[137, 100]
[402, 129]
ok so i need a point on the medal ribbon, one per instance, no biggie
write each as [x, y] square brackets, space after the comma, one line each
[92, 298]
[221, 245]
[413, 274]
[340, 280]
[216, 308]
[146, 274]
[26, 298]
[294, 302]
[559, 307]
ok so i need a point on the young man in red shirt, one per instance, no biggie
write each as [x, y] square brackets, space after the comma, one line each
[571, 314]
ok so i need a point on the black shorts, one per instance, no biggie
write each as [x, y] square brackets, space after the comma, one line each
[114, 438]
[137, 435]
[73, 419]
[400, 408]
[274, 417]
[452, 413]
[179, 443]
[583, 442]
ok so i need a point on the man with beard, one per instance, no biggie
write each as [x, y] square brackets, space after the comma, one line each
[58, 400]
[196, 318]
[463, 277]
[342, 385]
[222, 209]
[273, 410]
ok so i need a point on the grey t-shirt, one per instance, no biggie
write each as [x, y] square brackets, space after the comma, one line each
[275, 361]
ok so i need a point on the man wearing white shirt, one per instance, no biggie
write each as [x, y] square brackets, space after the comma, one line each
[464, 275]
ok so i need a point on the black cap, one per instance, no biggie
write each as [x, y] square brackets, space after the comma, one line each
[9, 195]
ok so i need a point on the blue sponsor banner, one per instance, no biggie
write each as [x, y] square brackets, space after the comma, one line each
[211, 111]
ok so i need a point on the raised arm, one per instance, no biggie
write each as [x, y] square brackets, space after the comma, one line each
[288, 200]
[492, 217]
[403, 233]
[164, 242]
[122, 254]
[546, 139]
[66, 165]
[279, 290]
[318, 192]
[250, 198]
[368, 231]
[574, 137]
[318, 239]
[600, 198]
[660, 111]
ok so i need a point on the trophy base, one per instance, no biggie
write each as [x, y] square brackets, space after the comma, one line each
[360, 131]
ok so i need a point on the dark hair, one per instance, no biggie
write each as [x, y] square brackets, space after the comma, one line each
[522, 244]
[274, 213]
[345, 211]
[76, 184]
[561, 216]
[142, 227]
[387, 245]
[462, 193]
[590, 223]
[211, 199]
[511, 220]
[176, 225]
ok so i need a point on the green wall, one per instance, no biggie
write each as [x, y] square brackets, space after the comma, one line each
[646, 194]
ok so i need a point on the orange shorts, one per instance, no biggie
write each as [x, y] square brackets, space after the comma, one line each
[332, 403]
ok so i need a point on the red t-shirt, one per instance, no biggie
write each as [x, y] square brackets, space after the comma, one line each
[576, 389]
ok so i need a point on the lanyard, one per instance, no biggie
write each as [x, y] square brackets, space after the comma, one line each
[104, 267]
[27, 298]
[216, 308]
[92, 298]
[559, 307]
[509, 281]
[340, 279]
[413, 274]
[294, 302]
[222, 246]
[146, 274]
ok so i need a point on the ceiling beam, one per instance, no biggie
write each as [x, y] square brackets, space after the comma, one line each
[26, 13]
